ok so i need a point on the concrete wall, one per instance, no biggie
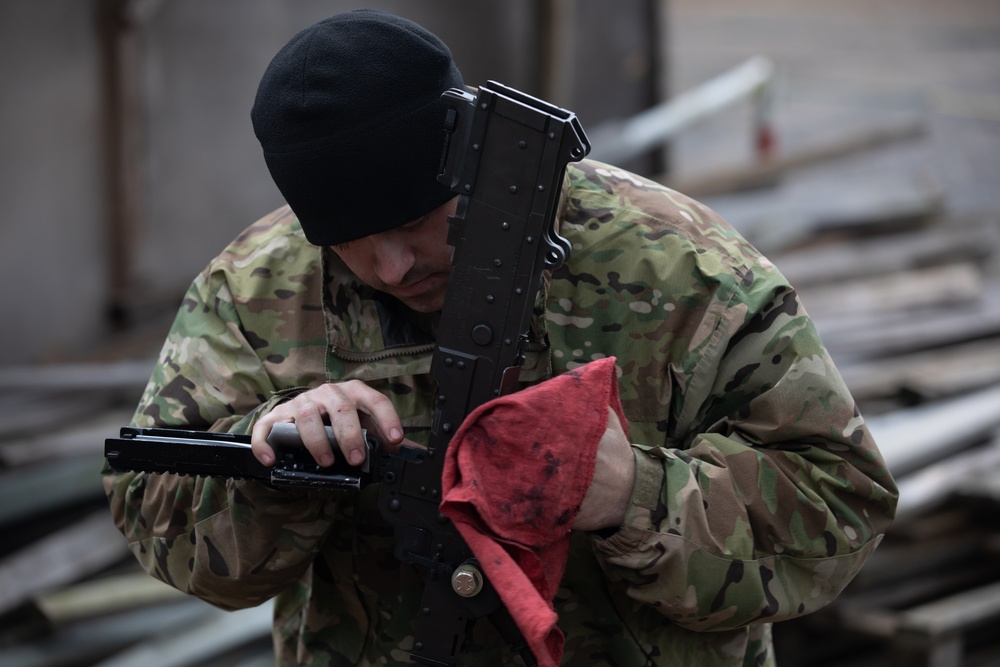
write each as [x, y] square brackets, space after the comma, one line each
[51, 239]
[203, 179]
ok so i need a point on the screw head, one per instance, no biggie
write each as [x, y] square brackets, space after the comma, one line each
[467, 580]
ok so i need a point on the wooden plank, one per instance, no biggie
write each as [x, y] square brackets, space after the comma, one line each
[958, 612]
[911, 438]
[936, 373]
[900, 559]
[933, 484]
[850, 259]
[924, 614]
[944, 285]
[34, 412]
[908, 650]
[220, 631]
[104, 596]
[63, 556]
[983, 486]
[853, 337]
[949, 522]
[87, 642]
[29, 491]
[864, 620]
[802, 212]
[128, 374]
[768, 173]
[920, 597]
[84, 437]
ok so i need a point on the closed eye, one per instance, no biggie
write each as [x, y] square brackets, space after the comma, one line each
[414, 224]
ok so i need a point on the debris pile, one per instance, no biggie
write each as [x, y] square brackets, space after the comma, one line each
[906, 296]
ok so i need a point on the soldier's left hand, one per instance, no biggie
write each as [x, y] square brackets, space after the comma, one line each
[610, 491]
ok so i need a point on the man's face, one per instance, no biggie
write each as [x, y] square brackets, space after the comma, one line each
[412, 262]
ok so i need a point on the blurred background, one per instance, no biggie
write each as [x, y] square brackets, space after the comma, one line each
[856, 143]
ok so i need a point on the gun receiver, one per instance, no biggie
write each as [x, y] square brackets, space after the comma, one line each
[213, 454]
[506, 157]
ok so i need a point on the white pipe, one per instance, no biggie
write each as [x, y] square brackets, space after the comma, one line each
[619, 140]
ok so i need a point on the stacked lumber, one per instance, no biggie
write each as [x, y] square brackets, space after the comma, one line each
[906, 296]
[71, 594]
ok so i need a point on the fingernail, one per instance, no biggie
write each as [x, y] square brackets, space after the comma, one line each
[357, 458]
[395, 434]
[326, 460]
[267, 459]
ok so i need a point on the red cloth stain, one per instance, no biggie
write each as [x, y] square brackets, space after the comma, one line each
[515, 475]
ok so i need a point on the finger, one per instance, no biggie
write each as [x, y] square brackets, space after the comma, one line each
[258, 440]
[344, 406]
[348, 433]
[381, 415]
[362, 406]
[311, 425]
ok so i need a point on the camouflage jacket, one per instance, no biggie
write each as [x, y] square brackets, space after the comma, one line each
[759, 491]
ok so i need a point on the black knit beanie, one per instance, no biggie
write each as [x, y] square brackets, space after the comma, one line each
[350, 118]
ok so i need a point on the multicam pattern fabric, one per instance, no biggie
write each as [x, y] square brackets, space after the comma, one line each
[759, 490]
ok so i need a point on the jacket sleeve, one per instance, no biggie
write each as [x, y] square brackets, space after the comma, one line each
[233, 543]
[769, 493]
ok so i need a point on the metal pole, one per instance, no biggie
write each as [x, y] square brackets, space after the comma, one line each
[118, 43]
[617, 141]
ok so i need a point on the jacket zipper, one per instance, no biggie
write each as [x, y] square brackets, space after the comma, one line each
[359, 357]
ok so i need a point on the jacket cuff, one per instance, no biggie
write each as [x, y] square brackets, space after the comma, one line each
[646, 494]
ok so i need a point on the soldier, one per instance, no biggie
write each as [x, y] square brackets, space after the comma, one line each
[747, 490]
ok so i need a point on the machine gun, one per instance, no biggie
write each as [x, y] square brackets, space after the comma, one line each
[505, 156]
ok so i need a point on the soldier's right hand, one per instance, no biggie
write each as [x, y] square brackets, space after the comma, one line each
[348, 407]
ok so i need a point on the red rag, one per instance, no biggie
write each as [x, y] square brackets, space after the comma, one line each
[514, 478]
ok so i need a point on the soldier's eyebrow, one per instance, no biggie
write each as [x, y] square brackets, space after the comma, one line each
[414, 223]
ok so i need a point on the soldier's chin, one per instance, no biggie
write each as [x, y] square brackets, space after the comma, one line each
[429, 299]
[428, 305]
